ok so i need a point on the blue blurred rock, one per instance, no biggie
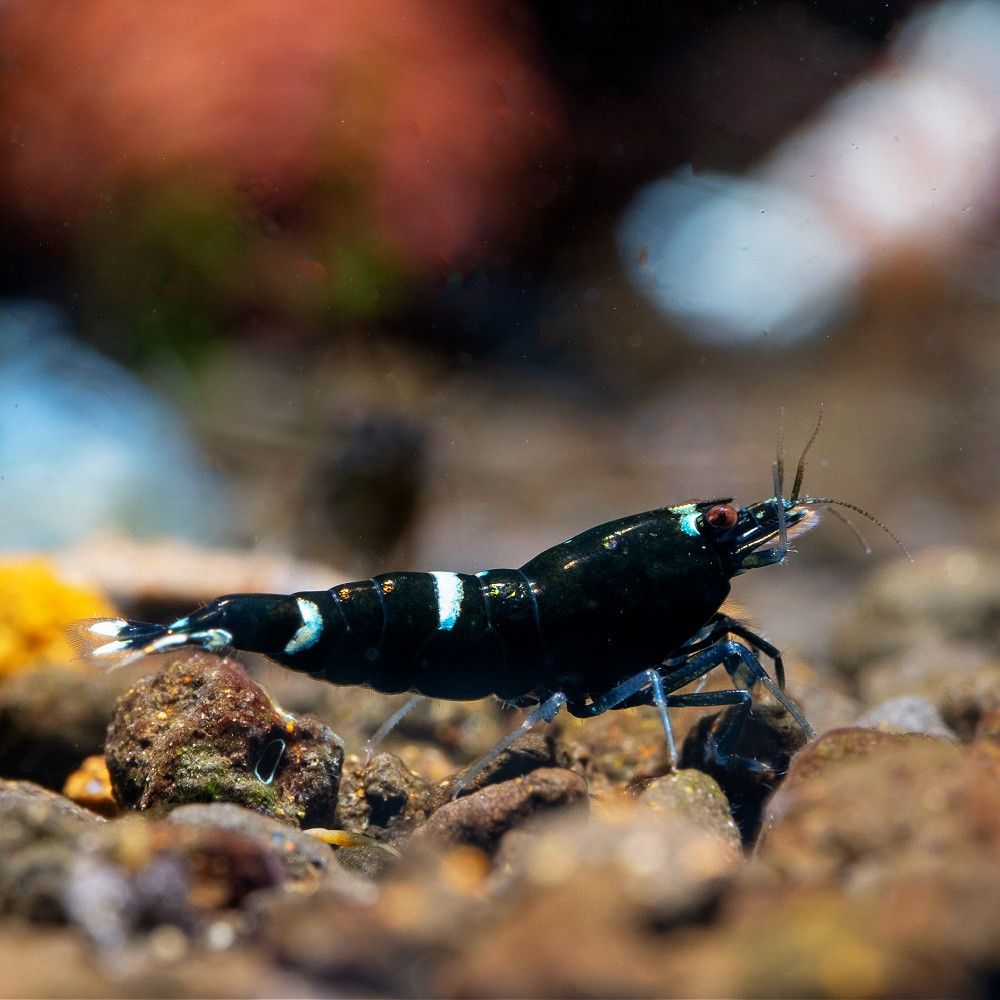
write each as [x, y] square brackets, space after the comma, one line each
[85, 446]
[733, 261]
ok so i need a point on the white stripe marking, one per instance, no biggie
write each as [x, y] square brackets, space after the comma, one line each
[689, 519]
[448, 590]
[109, 627]
[308, 633]
[110, 647]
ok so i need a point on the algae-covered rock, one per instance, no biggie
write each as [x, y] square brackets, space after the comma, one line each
[694, 797]
[201, 731]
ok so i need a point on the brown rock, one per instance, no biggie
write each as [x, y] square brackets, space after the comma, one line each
[695, 797]
[481, 819]
[201, 731]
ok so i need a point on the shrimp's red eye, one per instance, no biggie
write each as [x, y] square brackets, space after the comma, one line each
[722, 516]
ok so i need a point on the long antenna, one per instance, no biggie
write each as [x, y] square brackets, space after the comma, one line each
[801, 467]
[826, 502]
[779, 462]
[779, 488]
[855, 530]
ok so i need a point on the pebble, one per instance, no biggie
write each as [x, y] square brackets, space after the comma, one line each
[90, 786]
[38, 833]
[200, 730]
[908, 713]
[696, 797]
[481, 819]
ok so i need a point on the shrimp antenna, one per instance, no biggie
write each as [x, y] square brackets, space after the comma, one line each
[801, 467]
[779, 462]
[827, 502]
[855, 530]
[779, 488]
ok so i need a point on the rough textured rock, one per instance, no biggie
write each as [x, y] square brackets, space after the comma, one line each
[201, 731]
[695, 797]
[395, 795]
[482, 818]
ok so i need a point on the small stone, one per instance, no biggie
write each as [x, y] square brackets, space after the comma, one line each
[38, 834]
[531, 751]
[90, 786]
[393, 792]
[28, 809]
[481, 819]
[696, 797]
[223, 740]
[300, 855]
[908, 713]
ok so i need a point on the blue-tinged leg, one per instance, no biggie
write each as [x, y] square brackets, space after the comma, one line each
[722, 626]
[744, 667]
[647, 683]
[722, 746]
[389, 725]
[545, 712]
